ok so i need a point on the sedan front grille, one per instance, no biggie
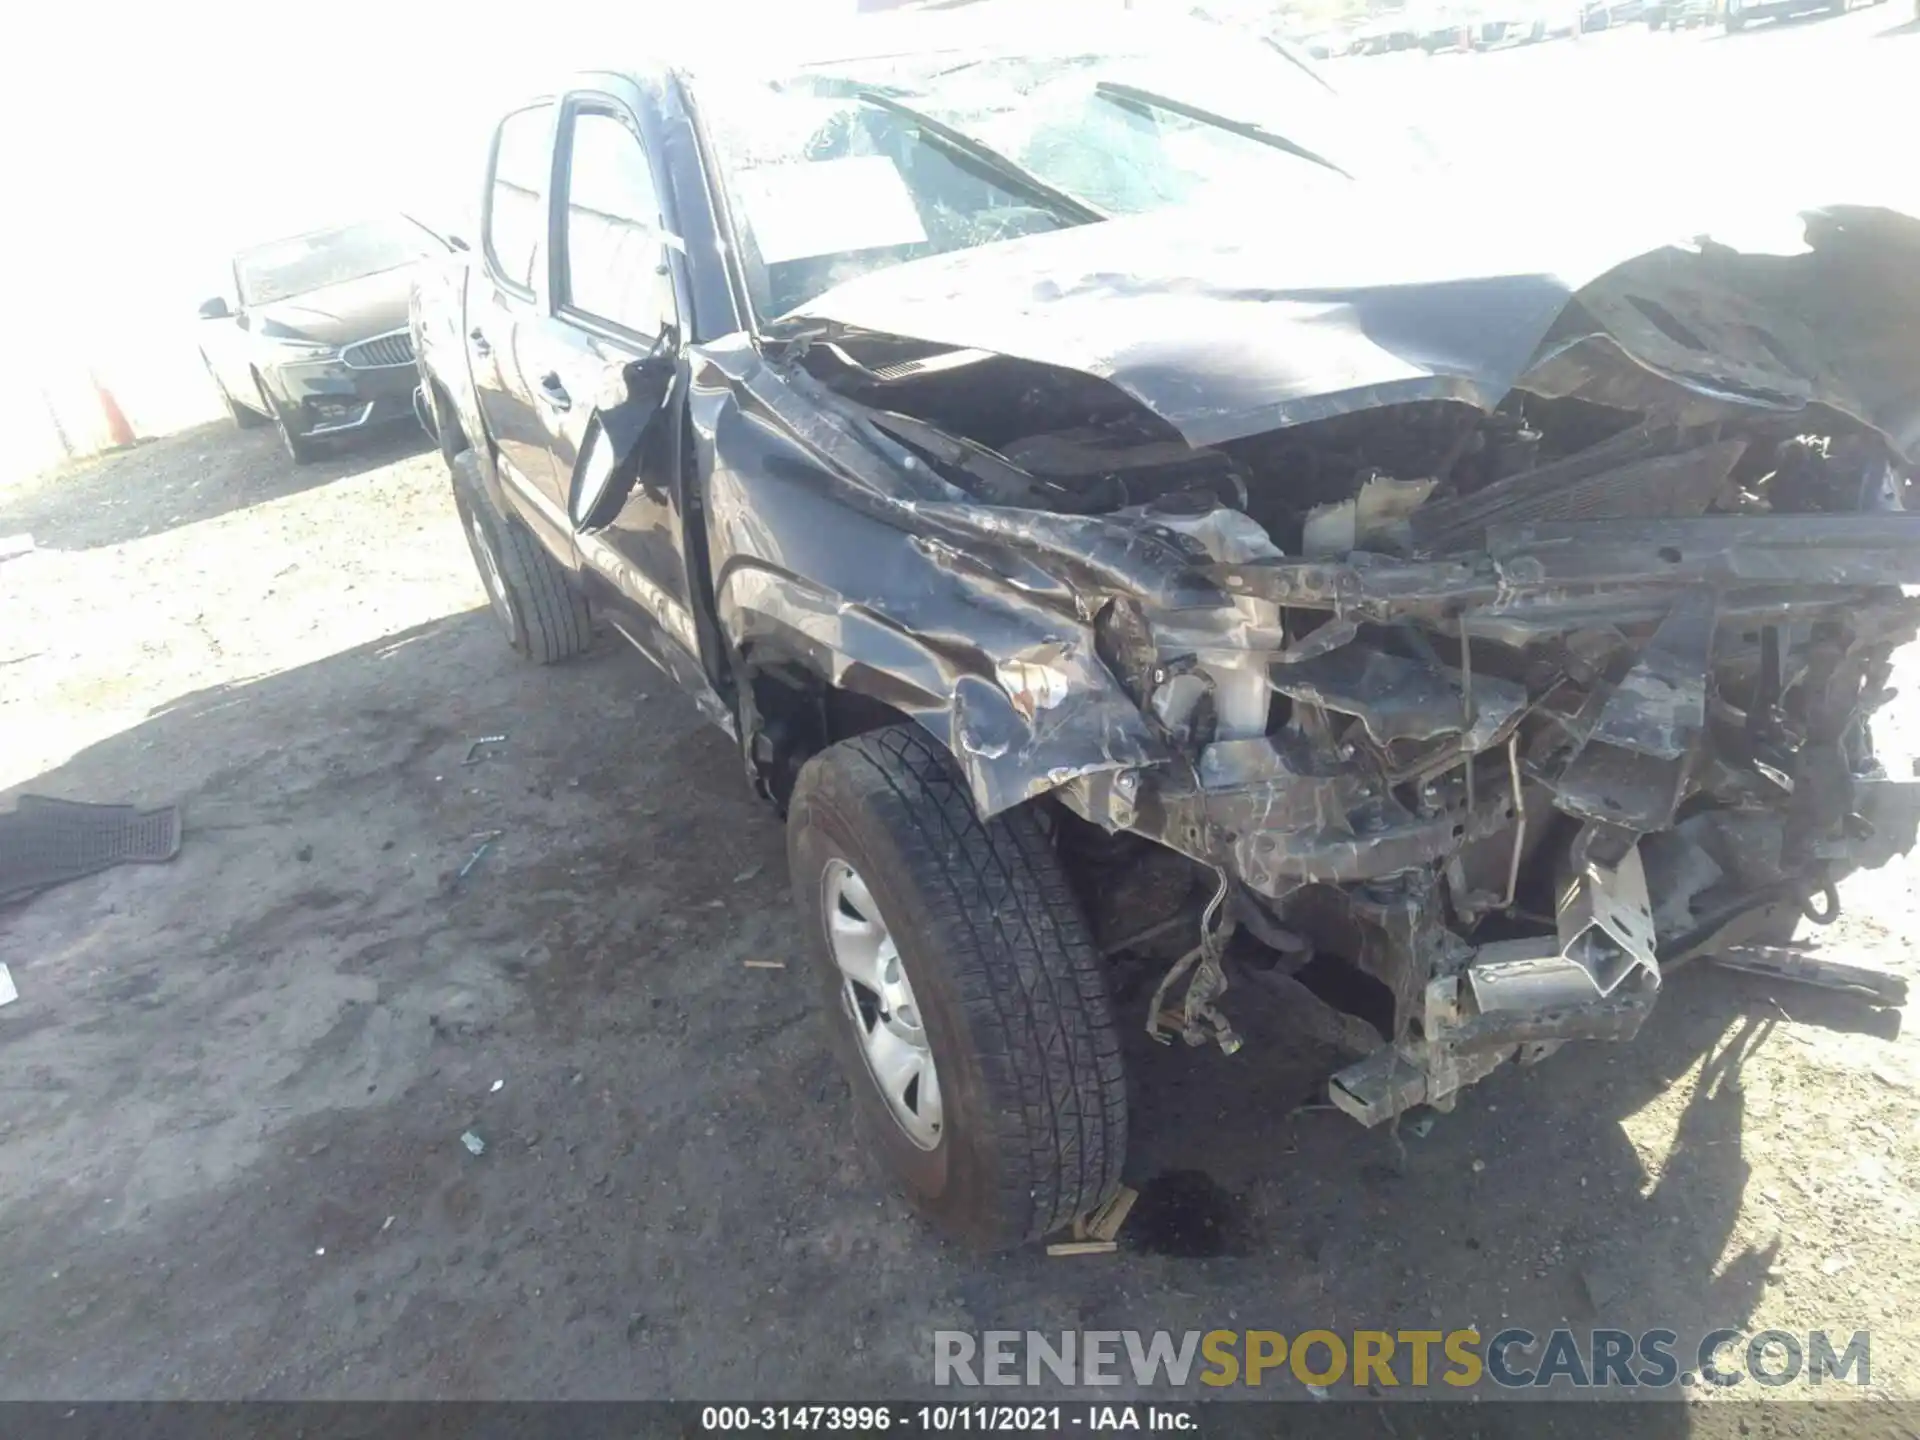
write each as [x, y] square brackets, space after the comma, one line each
[379, 352]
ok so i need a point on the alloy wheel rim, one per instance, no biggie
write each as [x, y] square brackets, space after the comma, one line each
[878, 1001]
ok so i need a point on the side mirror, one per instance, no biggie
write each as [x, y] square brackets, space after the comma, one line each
[609, 461]
[216, 309]
[648, 380]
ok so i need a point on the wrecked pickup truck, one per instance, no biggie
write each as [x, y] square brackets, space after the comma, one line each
[1118, 533]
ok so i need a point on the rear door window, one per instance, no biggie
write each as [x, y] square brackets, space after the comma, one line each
[516, 195]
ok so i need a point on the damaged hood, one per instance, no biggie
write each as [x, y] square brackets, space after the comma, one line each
[1228, 326]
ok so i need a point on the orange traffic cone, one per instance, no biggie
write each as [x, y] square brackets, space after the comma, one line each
[119, 432]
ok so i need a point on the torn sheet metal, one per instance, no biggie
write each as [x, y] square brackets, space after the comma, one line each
[1462, 1045]
[1020, 700]
[1597, 980]
[1632, 768]
[1397, 698]
[1281, 821]
[1605, 923]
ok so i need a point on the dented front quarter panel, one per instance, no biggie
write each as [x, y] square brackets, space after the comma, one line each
[823, 553]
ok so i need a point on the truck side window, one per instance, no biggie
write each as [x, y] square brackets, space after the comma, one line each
[516, 193]
[614, 256]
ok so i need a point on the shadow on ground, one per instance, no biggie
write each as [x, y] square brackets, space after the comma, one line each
[240, 1085]
[181, 479]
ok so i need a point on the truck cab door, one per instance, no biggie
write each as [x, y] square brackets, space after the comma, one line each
[610, 385]
[506, 300]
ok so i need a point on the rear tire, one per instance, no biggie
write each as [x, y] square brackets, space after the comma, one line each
[544, 616]
[1001, 977]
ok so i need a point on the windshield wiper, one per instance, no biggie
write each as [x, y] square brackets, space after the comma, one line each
[1133, 95]
[1068, 207]
[1286, 53]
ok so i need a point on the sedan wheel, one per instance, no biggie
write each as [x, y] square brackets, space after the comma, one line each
[242, 417]
[299, 448]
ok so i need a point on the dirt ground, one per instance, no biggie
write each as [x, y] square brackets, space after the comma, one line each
[235, 1085]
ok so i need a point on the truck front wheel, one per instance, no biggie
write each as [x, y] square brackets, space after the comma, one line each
[964, 995]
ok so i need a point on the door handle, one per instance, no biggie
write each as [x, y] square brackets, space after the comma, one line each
[479, 339]
[554, 393]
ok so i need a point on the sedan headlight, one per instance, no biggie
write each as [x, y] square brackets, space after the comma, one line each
[304, 352]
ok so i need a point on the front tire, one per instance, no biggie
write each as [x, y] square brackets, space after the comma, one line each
[534, 600]
[956, 966]
[300, 449]
[242, 417]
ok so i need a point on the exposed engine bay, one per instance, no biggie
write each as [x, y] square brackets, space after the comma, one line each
[1469, 720]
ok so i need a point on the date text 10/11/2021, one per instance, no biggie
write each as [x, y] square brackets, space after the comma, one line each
[947, 1419]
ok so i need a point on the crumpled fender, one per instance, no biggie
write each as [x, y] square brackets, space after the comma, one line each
[1020, 699]
[823, 554]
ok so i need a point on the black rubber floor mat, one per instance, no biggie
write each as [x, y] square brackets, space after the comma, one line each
[48, 842]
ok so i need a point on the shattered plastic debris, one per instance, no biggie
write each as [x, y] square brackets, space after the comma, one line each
[495, 1088]
[1834, 1264]
[486, 844]
[475, 1145]
[474, 757]
[765, 964]
[1082, 1247]
[9, 992]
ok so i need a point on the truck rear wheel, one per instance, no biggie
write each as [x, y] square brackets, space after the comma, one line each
[965, 996]
[533, 598]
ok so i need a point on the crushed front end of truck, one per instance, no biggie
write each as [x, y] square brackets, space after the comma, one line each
[1511, 787]
[1525, 649]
